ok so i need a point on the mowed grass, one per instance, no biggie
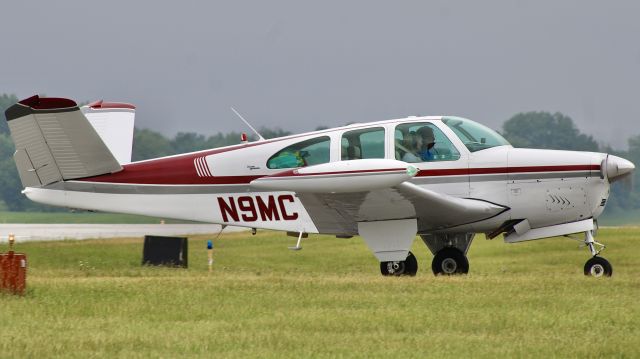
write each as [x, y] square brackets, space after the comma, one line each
[80, 217]
[93, 299]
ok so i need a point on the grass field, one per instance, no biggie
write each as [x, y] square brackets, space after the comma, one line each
[609, 218]
[79, 217]
[93, 299]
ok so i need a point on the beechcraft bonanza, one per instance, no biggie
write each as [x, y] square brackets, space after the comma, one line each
[442, 178]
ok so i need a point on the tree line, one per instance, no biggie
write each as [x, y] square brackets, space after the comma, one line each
[529, 129]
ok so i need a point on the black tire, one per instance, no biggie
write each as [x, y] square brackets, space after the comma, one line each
[408, 267]
[411, 265]
[598, 267]
[450, 261]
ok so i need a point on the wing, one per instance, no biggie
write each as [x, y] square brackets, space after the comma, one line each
[339, 195]
[340, 212]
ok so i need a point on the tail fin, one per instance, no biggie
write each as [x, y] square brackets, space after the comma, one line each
[114, 123]
[55, 142]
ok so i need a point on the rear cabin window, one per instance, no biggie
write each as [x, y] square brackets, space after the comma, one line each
[362, 144]
[423, 142]
[306, 153]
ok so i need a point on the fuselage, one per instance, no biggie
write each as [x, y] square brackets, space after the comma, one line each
[545, 186]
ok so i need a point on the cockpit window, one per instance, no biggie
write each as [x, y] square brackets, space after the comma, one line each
[422, 142]
[475, 136]
[306, 153]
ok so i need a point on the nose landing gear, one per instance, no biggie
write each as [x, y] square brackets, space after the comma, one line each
[596, 266]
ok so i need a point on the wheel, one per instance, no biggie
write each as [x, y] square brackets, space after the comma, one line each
[449, 261]
[598, 267]
[408, 266]
[411, 265]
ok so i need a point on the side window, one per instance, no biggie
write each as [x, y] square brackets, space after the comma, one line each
[361, 144]
[306, 153]
[423, 142]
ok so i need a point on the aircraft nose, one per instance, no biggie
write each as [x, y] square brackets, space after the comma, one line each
[617, 167]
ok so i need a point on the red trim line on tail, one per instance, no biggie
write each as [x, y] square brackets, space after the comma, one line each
[100, 104]
[47, 103]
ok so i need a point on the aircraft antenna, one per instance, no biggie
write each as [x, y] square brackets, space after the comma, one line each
[248, 124]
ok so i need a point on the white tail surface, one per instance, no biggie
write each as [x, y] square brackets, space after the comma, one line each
[114, 123]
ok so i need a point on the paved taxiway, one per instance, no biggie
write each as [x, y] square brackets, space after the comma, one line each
[50, 232]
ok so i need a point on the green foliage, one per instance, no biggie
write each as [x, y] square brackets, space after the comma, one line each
[625, 194]
[6, 101]
[269, 133]
[189, 142]
[150, 144]
[634, 150]
[545, 130]
[10, 185]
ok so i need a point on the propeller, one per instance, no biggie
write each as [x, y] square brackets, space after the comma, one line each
[616, 168]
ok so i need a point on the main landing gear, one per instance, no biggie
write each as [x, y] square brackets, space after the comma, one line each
[596, 266]
[449, 252]
[447, 261]
[450, 261]
[408, 267]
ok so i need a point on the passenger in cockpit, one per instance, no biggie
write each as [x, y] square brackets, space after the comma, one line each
[426, 141]
[410, 142]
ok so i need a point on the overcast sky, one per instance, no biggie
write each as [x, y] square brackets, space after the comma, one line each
[298, 65]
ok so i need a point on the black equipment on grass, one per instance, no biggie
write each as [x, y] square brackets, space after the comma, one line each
[167, 251]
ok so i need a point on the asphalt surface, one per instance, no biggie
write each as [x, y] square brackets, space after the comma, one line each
[52, 232]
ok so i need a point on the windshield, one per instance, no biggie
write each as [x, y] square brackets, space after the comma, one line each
[474, 135]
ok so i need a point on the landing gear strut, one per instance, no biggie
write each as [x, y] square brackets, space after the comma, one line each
[596, 266]
[408, 267]
[449, 252]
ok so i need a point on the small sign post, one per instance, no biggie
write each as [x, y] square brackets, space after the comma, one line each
[12, 241]
[210, 254]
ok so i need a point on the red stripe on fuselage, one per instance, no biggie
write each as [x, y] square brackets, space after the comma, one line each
[180, 170]
[504, 170]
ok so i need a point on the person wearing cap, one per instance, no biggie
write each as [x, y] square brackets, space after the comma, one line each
[426, 141]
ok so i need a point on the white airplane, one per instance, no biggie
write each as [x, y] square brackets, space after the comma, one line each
[440, 177]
